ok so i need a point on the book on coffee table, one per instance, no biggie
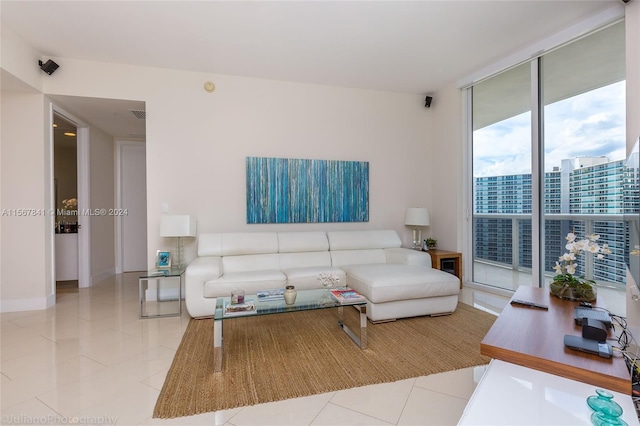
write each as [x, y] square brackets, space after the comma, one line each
[271, 294]
[348, 296]
[246, 308]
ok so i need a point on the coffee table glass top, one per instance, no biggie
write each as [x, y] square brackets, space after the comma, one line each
[306, 300]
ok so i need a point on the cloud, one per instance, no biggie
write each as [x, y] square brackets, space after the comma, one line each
[591, 124]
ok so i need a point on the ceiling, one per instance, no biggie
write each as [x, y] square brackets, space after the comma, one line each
[409, 47]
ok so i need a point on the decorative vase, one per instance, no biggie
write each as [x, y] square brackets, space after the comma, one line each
[606, 411]
[578, 291]
[290, 295]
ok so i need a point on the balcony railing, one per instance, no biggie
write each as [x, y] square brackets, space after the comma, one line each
[609, 272]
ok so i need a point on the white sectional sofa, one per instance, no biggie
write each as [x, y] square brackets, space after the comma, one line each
[397, 282]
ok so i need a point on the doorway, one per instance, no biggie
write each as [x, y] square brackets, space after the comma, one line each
[101, 126]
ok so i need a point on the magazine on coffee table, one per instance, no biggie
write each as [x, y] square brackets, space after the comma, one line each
[246, 308]
[348, 296]
[271, 294]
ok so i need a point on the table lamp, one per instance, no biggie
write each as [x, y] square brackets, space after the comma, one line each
[417, 217]
[178, 226]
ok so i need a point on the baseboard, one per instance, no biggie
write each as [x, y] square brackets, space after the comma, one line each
[51, 300]
[103, 275]
[34, 304]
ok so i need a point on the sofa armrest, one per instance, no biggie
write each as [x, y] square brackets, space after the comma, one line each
[407, 256]
[201, 270]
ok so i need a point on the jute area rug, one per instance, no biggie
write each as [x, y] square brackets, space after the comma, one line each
[276, 357]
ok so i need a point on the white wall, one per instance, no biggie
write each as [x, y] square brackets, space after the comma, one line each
[19, 59]
[26, 278]
[197, 141]
[446, 171]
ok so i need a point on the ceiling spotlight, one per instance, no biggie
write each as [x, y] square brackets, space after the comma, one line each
[49, 67]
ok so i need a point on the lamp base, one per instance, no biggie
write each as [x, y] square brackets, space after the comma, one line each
[179, 262]
[417, 239]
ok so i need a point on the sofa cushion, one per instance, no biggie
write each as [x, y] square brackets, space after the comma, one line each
[249, 243]
[389, 282]
[254, 262]
[362, 240]
[357, 257]
[307, 278]
[303, 260]
[293, 242]
[250, 281]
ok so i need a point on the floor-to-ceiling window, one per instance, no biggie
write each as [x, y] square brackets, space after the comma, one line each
[583, 92]
[548, 143]
[501, 176]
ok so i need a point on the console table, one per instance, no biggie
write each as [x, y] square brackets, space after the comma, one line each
[440, 257]
[534, 338]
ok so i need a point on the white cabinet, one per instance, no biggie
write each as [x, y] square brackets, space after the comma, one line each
[66, 257]
[509, 394]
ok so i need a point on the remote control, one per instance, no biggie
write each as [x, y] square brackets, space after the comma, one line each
[518, 302]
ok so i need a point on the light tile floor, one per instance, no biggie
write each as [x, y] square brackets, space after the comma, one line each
[90, 359]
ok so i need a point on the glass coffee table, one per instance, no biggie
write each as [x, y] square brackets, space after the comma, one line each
[306, 300]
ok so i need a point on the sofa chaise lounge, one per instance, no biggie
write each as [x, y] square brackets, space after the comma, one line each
[396, 281]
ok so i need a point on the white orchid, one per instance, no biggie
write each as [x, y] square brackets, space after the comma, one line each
[567, 262]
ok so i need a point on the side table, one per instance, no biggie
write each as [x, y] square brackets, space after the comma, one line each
[168, 293]
[448, 261]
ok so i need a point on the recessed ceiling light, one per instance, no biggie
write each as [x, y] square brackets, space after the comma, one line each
[55, 125]
[69, 134]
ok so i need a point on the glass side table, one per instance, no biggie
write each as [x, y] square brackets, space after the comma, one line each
[164, 298]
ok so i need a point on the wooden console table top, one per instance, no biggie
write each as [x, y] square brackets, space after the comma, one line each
[534, 338]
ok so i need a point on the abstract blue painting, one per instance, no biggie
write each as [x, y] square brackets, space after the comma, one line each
[287, 190]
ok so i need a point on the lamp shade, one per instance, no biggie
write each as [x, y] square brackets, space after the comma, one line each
[177, 226]
[417, 216]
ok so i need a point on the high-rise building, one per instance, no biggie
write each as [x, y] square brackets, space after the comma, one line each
[584, 196]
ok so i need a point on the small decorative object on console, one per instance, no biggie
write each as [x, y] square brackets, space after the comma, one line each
[565, 285]
[430, 243]
[348, 296]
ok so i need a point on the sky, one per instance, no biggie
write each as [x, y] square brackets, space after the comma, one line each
[591, 124]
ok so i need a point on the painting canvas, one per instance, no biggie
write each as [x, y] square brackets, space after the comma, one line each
[286, 190]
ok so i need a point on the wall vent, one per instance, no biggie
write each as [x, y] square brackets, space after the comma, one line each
[140, 114]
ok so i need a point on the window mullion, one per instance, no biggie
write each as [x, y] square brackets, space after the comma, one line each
[537, 173]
